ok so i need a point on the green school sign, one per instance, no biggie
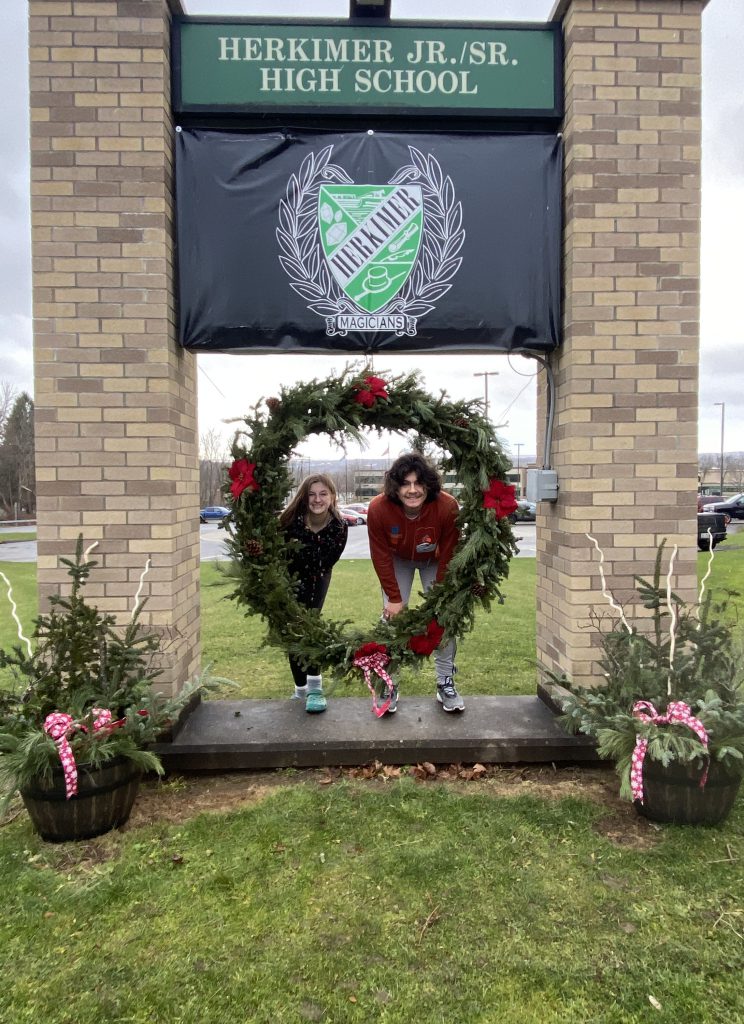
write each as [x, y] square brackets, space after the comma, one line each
[245, 66]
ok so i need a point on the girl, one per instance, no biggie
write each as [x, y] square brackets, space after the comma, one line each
[312, 517]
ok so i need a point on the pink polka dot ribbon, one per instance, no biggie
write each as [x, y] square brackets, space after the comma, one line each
[375, 663]
[677, 712]
[59, 726]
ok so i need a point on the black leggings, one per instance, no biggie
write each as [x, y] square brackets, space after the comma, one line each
[314, 599]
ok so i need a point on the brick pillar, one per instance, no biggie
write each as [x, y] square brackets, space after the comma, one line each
[625, 443]
[116, 430]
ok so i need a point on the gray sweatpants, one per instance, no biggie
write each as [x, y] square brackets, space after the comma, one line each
[405, 570]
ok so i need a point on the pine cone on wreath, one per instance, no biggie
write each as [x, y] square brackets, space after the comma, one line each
[460, 421]
[273, 404]
[479, 590]
[254, 548]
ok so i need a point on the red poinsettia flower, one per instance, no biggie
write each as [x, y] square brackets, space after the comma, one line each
[241, 474]
[500, 497]
[429, 641]
[373, 388]
[365, 398]
[371, 648]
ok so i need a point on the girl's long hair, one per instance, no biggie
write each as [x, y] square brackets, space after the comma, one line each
[299, 504]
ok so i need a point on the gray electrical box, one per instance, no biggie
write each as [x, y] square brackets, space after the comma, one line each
[542, 485]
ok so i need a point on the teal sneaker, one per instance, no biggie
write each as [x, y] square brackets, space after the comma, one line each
[315, 702]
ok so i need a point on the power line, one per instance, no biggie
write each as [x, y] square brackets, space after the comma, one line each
[523, 388]
[202, 370]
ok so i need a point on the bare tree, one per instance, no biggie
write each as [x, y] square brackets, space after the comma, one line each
[213, 458]
[8, 395]
[735, 469]
[707, 464]
[17, 463]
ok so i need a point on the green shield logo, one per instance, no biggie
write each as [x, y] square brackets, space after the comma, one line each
[371, 235]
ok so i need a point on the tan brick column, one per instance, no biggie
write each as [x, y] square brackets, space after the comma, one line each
[625, 443]
[116, 431]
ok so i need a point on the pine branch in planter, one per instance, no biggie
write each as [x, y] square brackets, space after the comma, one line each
[707, 674]
[101, 676]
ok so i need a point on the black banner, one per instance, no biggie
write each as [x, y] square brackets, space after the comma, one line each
[368, 241]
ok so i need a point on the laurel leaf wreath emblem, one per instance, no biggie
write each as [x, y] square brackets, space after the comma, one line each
[302, 256]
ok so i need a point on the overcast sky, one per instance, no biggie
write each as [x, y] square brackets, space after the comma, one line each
[229, 385]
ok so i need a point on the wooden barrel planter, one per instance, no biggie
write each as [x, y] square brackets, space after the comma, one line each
[674, 794]
[103, 801]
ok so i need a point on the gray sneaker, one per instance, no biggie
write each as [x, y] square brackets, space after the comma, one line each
[448, 696]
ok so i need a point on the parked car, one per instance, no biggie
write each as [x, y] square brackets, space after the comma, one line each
[361, 506]
[213, 514]
[353, 518]
[733, 507]
[526, 512]
[713, 521]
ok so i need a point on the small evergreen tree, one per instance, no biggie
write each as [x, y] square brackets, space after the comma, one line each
[704, 671]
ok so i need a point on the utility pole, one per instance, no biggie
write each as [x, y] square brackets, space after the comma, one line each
[485, 376]
[518, 446]
[723, 417]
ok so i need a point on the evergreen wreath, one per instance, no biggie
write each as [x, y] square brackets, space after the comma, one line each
[260, 483]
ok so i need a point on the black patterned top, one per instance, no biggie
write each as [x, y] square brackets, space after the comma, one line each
[319, 553]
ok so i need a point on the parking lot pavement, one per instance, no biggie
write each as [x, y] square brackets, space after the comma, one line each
[212, 544]
[357, 545]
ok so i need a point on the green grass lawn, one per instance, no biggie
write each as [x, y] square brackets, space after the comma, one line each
[13, 538]
[498, 657]
[529, 897]
[392, 902]
[22, 578]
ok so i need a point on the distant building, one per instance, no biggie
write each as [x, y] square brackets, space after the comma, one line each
[368, 482]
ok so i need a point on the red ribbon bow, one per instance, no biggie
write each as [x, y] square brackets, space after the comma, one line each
[241, 474]
[500, 497]
[372, 658]
[59, 725]
[678, 712]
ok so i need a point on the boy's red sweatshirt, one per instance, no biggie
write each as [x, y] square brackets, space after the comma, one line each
[432, 536]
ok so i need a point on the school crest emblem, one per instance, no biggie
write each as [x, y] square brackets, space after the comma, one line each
[370, 257]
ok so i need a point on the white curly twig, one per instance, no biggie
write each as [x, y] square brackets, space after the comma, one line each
[707, 574]
[136, 604]
[89, 549]
[605, 592]
[673, 623]
[14, 613]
